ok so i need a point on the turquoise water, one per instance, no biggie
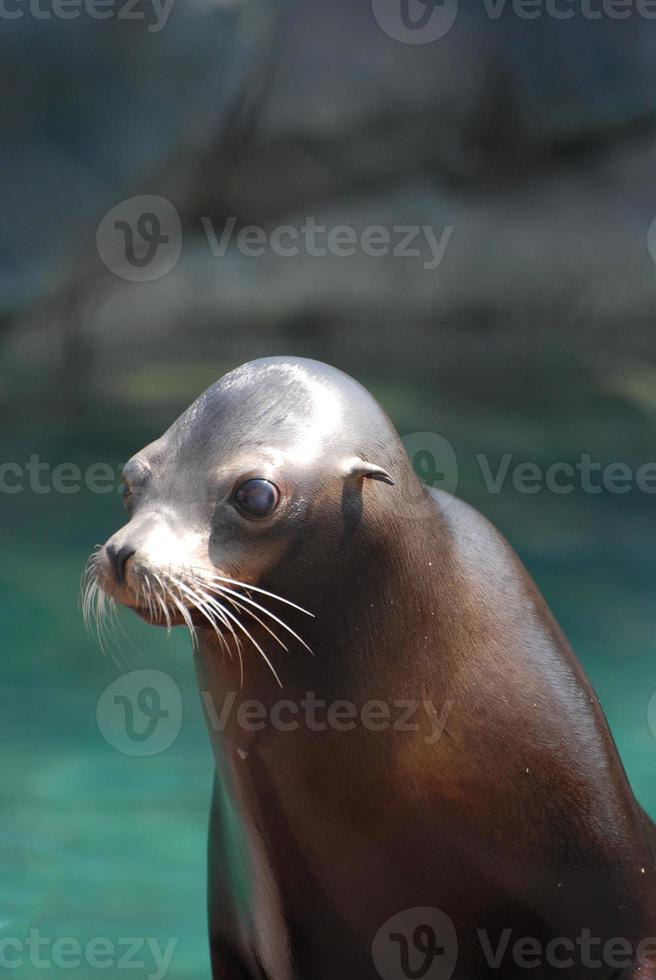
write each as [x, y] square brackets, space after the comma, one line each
[96, 843]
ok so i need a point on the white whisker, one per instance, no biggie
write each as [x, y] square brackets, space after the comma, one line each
[241, 626]
[255, 588]
[161, 599]
[201, 605]
[184, 612]
[251, 602]
[222, 612]
[249, 612]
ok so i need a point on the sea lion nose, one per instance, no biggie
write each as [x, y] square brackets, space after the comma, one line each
[118, 558]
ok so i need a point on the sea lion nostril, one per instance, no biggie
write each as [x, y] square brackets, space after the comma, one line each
[118, 558]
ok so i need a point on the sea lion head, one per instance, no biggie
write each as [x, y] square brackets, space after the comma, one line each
[263, 474]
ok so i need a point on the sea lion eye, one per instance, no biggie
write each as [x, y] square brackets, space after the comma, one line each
[257, 498]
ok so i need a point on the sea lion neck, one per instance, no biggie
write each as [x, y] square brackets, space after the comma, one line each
[361, 599]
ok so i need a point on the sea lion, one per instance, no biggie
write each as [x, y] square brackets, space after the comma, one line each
[459, 771]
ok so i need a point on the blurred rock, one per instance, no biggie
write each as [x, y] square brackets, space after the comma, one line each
[531, 140]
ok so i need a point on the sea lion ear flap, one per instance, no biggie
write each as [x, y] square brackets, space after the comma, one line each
[359, 469]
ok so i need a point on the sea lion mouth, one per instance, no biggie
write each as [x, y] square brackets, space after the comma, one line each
[199, 599]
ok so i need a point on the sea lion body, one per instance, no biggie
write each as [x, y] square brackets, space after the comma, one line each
[500, 801]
